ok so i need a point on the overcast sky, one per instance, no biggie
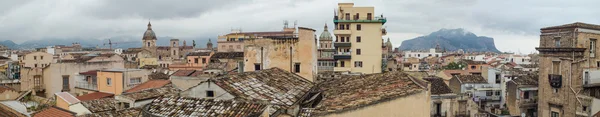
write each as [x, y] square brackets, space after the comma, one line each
[514, 24]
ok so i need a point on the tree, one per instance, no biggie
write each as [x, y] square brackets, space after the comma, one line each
[453, 65]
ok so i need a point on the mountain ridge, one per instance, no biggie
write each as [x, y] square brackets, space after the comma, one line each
[451, 40]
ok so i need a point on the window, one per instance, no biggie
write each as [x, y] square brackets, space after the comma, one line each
[34, 57]
[41, 57]
[369, 15]
[231, 39]
[586, 76]
[65, 79]
[203, 60]
[358, 64]
[37, 80]
[497, 78]
[256, 66]
[557, 42]
[108, 81]
[584, 109]
[526, 95]
[358, 27]
[210, 93]
[135, 80]
[497, 92]
[429, 55]
[522, 60]
[473, 67]
[356, 16]
[347, 26]
[347, 16]
[342, 27]
[554, 114]
[489, 93]
[342, 64]
[148, 44]
[592, 47]
[297, 67]
[34, 65]
[418, 55]
[358, 52]
[555, 90]
[358, 38]
[195, 60]
[556, 67]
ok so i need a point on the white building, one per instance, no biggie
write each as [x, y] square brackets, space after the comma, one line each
[519, 59]
[422, 54]
[50, 50]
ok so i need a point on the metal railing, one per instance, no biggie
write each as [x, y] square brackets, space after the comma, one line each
[86, 85]
[343, 53]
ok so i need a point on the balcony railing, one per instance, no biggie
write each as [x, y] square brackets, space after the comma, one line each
[527, 102]
[342, 55]
[373, 20]
[87, 85]
[342, 44]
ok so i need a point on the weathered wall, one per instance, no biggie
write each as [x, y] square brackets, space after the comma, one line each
[419, 107]
[9, 95]
[41, 59]
[200, 91]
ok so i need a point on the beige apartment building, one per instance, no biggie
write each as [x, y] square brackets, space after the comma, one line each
[36, 59]
[358, 40]
[568, 82]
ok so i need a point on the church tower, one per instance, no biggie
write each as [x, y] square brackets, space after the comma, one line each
[209, 45]
[149, 39]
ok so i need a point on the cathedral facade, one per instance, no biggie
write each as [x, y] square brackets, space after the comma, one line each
[166, 54]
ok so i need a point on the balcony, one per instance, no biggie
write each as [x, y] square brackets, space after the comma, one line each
[491, 98]
[342, 55]
[342, 32]
[591, 77]
[531, 102]
[342, 44]
[87, 85]
[374, 20]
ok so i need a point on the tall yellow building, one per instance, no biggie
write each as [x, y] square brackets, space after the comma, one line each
[358, 39]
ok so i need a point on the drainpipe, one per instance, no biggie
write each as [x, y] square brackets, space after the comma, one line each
[571, 77]
[261, 58]
[291, 66]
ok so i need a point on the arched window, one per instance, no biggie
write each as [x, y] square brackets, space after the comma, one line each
[148, 44]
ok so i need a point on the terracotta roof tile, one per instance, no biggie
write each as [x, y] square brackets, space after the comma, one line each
[95, 95]
[191, 73]
[531, 79]
[129, 112]
[194, 107]
[157, 75]
[230, 55]
[89, 73]
[54, 112]
[151, 84]
[199, 54]
[529, 65]
[67, 97]
[100, 105]
[358, 91]
[4, 88]
[471, 78]
[151, 93]
[278, 86]
[438, 86]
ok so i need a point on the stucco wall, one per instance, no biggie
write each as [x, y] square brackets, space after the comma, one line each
[79, 109]
[116, 86]
[416, 105]
[9, 95]
[31, 59]
[60, 103]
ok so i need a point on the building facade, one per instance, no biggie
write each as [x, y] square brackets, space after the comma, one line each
[565, 51]
[358, 40]
[326, 51]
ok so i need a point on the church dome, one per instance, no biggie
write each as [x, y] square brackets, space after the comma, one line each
[325, 35]
[388, 43]
[149, 34]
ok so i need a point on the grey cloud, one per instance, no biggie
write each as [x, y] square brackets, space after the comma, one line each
[158, 9]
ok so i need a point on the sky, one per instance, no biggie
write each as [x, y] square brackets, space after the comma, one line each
[514, 24]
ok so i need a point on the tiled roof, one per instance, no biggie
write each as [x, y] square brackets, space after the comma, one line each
[129, 112]
[54, 112]
[529, 65]
[359, 91]
[194, 107]
[67, 97]
[151, 93]
[306, 112]
[3, 58]
[471, 62]
[225, 55]
[163, 47]
[89, 73]
[6, 111]
[278, 86]
[150, 84]
[77, 60]
[470, 79]
[438, 86]
[131, 52]
[149, 67]
[95, 95]
[531, 79]
[100, 105]
[573, 25]
[191, 73]
[4, 88]
[157, 75]
[199, 54]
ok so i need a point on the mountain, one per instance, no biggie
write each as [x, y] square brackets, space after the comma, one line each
[451, 40]
[123, 42]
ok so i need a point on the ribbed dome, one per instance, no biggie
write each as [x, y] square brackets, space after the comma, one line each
[388, 43]
[325, 35]
[149, 34]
